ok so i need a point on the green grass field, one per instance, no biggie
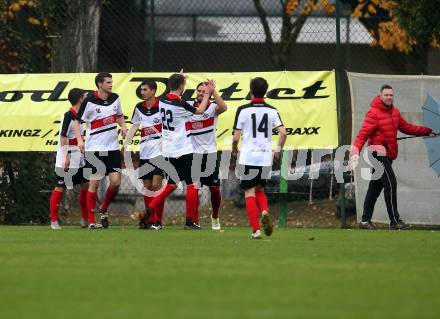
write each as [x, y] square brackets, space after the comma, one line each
[297, 273]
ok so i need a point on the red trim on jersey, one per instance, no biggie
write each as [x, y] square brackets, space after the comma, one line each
[103, 122]
[257, 100]
[73, 111]
[96, 94]
[171, 96]
[197, 125]
[155, 103]
[73, 141]
[151, 130]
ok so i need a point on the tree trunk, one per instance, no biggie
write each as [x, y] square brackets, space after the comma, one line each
[76, 48]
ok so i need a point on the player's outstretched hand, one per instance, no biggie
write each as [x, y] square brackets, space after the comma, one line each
[276, 156]
[434, 134]
[209, 87]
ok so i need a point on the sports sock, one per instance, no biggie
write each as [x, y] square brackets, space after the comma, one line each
[83, 203]
[160, 198]
[192, 203]
[54, 204]
[252, 212]
[261, 199]
[109, 196]
[216, 198]
[91, 205]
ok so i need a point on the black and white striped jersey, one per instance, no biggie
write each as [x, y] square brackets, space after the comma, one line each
[101, 121]
[150, 122]
[203, 128]
[256, 121]
[176, 129]
[66, 130]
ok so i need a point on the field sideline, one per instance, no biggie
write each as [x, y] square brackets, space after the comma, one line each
[297, 273]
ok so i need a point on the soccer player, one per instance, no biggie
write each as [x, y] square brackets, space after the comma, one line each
[69, 157]
[147, 118]
[177, 146]
[101, 110]
[203, 129]
[255, 121]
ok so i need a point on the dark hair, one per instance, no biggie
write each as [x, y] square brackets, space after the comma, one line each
[75, 95]
[200, 84]
[258, 87]
[150, 83]
[101, 76]
[175, 81]
[385, 86]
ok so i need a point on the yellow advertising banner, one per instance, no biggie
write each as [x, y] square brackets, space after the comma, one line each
[32, 104]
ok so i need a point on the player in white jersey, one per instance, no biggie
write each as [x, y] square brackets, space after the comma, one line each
[69, 158]
[255, 122]
[147, 118]
[102, 112]
[177, 146]
[203, 137]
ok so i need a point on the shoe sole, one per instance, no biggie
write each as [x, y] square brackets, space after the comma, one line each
[267, 225]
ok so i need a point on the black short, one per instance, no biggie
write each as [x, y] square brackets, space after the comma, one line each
[182, 166]
[213, 159]
[62, 178]
[251, 176]
[145, 171]
[110, 162]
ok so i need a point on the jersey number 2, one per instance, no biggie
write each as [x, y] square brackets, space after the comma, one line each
[262, 127]
[167, 119]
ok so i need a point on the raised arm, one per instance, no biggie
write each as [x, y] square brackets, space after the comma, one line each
[221, 105]
[209, 88]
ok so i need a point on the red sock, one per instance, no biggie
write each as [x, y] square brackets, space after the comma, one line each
[91, 205]
[192, 203]
[54, 204]
[147, 201]
[160, 198]
[83, 203]
[216, 199]
[159, 212]
[261, 201]
[109, 195]
[252, 212]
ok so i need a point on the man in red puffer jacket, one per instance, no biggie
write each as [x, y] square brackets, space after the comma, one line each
[380, 127]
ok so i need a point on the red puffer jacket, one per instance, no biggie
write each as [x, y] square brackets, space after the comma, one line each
[380, 128]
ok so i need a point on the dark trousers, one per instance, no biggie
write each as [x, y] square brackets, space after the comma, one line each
[389, 184]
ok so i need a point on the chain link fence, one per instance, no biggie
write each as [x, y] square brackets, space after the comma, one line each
[196, 35]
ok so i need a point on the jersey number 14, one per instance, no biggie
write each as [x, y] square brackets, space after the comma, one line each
[262, 127]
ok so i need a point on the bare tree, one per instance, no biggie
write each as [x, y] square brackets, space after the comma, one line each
[290, 28]
[76, 48]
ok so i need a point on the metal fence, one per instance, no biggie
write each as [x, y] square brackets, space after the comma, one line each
[197, 35]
